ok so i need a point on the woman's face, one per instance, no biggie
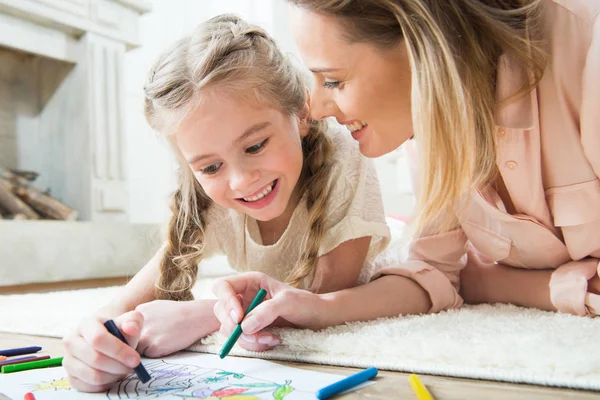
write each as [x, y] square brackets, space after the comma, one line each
[364, 87]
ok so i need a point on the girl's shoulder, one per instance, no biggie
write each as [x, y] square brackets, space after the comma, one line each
[346, 154]
[351, 172]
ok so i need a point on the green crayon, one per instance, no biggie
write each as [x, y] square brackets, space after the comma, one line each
[260, 296]
[52, 362]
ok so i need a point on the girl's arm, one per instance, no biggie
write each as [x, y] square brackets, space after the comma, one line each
[340, 268]
[139, 290]
[388, 296]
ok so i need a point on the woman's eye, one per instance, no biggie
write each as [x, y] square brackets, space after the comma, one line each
[331, 84]
[257, 147]
[211, 169]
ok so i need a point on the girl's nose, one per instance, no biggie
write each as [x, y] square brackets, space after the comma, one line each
[242, 178]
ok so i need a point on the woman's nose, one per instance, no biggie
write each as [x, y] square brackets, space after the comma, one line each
[321, 105]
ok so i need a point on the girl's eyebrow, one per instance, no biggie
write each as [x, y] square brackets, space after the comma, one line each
[247, 133]
[252, 130]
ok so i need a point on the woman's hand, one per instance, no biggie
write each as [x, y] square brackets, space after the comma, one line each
[170, 326]
[95, 359]
[283, 306]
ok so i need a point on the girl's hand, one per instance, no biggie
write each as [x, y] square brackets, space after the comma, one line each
[95, 359]
[170, 326]
[283, 306]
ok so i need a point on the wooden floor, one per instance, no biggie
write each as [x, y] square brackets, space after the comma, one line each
[390, 385]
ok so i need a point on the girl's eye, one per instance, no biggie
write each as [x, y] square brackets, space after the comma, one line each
[331, 84]
[211, 169]
[257, 147]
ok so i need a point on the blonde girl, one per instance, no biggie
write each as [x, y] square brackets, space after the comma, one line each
[259, 181]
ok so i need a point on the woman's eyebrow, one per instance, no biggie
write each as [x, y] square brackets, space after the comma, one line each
[321, 70]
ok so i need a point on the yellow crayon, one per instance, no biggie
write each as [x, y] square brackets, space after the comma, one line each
[419, 388]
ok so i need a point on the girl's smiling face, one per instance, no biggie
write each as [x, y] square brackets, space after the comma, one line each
[356, 83]
[246, 156]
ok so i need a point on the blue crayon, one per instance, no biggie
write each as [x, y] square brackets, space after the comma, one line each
[347, 383]
[140, 371]
[20, 351]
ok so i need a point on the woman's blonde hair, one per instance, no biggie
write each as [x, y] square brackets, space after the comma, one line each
[228, 55]
[454, 47]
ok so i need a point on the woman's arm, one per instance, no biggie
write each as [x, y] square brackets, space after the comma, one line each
[497, 283]
[571, 288]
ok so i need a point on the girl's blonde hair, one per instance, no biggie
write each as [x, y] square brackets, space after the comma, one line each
[454, 47]
[228, 55]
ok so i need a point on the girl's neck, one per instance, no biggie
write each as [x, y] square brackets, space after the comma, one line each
[271, 231]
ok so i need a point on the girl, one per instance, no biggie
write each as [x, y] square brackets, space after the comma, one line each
[259, 182]
[503, 99]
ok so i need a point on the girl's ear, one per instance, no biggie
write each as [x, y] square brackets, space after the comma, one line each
[304, 119]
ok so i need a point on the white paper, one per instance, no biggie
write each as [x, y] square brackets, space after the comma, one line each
[182, 376]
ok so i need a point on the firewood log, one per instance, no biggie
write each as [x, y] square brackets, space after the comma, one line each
[44, 204]
[13, 203]
[29, 175]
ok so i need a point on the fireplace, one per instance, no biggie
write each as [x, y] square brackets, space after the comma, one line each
[61, 115]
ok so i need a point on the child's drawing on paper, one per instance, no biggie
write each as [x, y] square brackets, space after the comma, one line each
[182, 376]
[55, 384]
[194, 382]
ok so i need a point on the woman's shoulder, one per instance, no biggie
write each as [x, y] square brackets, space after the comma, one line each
[585, 10]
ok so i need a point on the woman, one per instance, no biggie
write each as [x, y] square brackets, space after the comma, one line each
[503, 100]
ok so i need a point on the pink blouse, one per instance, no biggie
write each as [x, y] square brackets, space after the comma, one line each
[549, 159]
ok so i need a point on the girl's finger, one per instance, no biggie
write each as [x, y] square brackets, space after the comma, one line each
[231, 286]
[98, 337]
[261, 341]
[85, 387]
[267, 312]
[88, 375]
[82, 351]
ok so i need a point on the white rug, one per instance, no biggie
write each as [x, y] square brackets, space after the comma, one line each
[500, 342]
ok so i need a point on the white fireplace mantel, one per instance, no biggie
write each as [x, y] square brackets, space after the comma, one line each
[52, 27]
[79, 85]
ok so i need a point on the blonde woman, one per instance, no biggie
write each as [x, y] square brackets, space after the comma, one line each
[260, 183]
[503, 100]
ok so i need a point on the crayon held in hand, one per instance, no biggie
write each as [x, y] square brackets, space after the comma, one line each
[260, 296]
[140, 371]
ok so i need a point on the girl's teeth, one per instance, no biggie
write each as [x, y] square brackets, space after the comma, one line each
[356, 126]
[260, 195]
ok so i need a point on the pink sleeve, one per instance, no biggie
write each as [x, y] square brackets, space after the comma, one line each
[569, 287]
[434, 263]
[569, 283]
[590, 101]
